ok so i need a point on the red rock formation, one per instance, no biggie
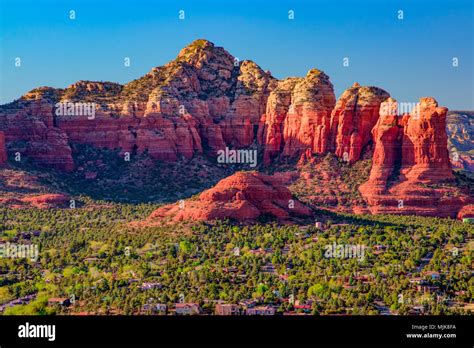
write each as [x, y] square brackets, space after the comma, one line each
[308, 118]
[352, 120]
[51, 200]
[271, 127]
[3, 149]
[387, 138]
[466, 212]
[202, 101]
[244, 196]
[297, 116]
[425, 149]
[31, 122]
[206, 100]
[417, 142]
[250, 100]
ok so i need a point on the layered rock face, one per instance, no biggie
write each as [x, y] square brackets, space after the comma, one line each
[202, 101]
[425, 144]
[3, 149]
[29, 128]
[309, 115]
[51, 200]
[297, 116]
[206, 100]
[271, 127]
[387, 137]
[352, 120]
[412, 151]
[244, 196]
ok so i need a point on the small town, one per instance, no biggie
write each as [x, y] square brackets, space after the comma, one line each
[274, 267]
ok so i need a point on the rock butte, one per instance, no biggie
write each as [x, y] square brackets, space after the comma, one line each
[243, 196]
[413, 150]
[206, 99]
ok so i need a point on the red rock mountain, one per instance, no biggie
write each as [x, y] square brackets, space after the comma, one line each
[206, 100]
[244, 196]
[202, 101]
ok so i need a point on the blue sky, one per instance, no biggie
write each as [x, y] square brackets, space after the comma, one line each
[410, 58]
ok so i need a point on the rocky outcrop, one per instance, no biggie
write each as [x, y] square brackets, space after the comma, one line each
[244, 196]
[43, 201]
[466, 212]
[201, 102]
[239, 127]
[297, 116]
[206, 100]
[352, 120]
[425, 145]
[51, 200]
[309, 115]
[29, 128]
[3, 149]
[411, 172]
[387, 135]
[271, 127]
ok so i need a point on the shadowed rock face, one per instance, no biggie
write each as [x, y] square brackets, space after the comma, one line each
[206, 100]
[244, 196]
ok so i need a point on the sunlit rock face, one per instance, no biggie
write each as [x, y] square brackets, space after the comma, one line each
[206, 100]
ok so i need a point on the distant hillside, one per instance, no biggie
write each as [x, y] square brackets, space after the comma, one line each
[460, 128]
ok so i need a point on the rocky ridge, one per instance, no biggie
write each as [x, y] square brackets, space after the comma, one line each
[206, 100]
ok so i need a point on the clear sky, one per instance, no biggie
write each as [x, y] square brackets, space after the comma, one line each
[410, 58]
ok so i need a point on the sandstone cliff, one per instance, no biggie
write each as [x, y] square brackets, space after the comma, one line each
[206, 100]
[411, 172]
[352, 120]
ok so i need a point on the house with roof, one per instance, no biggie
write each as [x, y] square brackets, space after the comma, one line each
[261, 310]
[227, 309]
[187, 309]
